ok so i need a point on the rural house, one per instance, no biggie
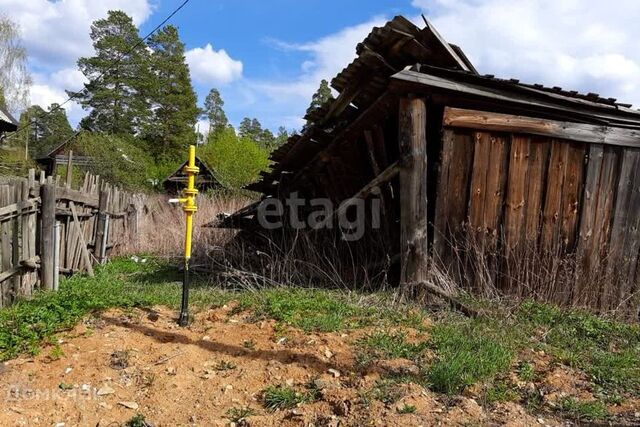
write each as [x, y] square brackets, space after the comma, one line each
[495, 181]
[205, 180]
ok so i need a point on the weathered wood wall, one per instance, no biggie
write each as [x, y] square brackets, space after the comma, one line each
[88, 222]
[537, 215]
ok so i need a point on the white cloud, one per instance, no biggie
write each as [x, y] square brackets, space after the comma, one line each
[590, 46]
[57, 32]
[284, 101]
[213, 67]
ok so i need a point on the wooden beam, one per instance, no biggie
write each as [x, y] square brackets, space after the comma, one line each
[483, 120]
[413, 190]
[408, 81]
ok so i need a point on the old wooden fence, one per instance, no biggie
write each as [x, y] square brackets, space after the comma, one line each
[47, 228]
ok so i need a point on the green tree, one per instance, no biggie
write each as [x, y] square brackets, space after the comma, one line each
[15, 79]
[322, 95]
[44, 129]
[252, 129]
[119, 78]
[214, 112]
[282, 136]
[174, 102]
[236, 160]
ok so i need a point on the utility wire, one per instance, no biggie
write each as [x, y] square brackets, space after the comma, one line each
[112, 66]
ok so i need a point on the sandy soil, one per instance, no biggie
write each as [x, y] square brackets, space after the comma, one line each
[118, 364]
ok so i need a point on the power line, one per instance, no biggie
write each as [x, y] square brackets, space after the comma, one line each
[112, 66]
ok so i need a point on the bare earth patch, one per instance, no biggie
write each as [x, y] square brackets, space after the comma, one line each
[118, 364]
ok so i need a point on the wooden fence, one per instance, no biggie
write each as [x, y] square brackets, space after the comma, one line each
[47, 228]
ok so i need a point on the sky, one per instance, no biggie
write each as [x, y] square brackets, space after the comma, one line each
[268, 57]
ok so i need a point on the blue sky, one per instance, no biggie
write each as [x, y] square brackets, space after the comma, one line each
[267, 57]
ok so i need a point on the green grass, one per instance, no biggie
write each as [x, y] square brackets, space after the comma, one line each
[240, 414]
[581, 410]
[407, 409]
[455, 353]
[282, 397]
[465, 354]
[608, 351]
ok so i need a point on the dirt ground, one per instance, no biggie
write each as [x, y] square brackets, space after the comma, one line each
[121, 363]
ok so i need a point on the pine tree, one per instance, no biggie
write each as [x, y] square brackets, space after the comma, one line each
[175, 110]
[322, 95]
[214, 112]
[252, 129]
[117, 92]
[282, 136]
[44, 130]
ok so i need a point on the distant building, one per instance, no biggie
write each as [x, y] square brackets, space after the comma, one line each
[205, 180]
[7, 122]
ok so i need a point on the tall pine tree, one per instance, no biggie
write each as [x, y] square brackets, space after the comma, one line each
[214, 112]
[119, 80]
[322, 95]
[174, 102]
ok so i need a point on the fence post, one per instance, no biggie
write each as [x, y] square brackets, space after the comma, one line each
[101, 235]
[48, 249]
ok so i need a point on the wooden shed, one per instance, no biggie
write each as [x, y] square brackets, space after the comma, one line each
[533, 190]
[7, 122]
[205, 180]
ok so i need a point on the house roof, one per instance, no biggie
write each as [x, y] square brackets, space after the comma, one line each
[7, 122]
[402, 58]
[205, 176]
[384, 52]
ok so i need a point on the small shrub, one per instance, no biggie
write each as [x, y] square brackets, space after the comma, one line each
[500, 392]
[526, 371]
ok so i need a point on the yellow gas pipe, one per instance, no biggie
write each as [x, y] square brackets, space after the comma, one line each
[189, 207]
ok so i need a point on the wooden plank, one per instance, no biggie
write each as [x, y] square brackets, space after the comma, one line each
[77, 196]
[571, 194]
[496, 183]
[595, 222]
[478, 192]
[413, 190]
[453, 192]
[624, 229]
[85, 252]
[552, 214]
[473, 119]
[539, 149]
[515, 205]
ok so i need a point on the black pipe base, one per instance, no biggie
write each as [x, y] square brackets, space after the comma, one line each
[183, 320]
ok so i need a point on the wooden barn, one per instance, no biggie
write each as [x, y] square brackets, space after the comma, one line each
[533, 190]
[205, 180]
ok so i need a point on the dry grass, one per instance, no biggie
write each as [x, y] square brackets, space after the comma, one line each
[162, 227]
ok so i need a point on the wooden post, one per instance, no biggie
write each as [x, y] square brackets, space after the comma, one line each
[56, 256]
[413, 190]
[47, 250]
[101, 236]
[69, 169]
